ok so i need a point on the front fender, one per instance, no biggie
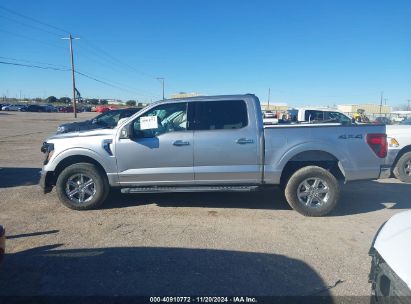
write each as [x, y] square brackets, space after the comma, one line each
[108, 163]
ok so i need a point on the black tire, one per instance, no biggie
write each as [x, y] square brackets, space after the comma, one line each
[100, 187]
[402, 169]
[328, 191]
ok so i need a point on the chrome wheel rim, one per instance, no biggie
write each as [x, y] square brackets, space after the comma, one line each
[80, 188]
[313, 192]
[407, 168]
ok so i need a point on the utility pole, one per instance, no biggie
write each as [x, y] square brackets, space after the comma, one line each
[408, 106]
[269, 96]
[72, 73]
[382, 93]
[161, 79]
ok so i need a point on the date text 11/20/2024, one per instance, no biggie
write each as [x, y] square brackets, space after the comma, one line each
[240, 299]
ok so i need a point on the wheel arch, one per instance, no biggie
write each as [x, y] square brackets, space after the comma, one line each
[318, 158]
[404, 150]
[71, 160]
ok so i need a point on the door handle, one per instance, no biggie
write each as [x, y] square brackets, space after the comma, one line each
[243, 141]
[180, 143]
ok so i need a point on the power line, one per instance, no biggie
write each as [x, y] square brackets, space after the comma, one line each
[104, 82]
[30, 26]
[36, 62]
[109, 65]
[91, 45]
[118, 61]
[33, 19]
[34, 66]
[66, 70]
[97, 49]
[32, 39]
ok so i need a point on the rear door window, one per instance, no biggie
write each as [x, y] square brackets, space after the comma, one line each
[220, 115]
[314, 115]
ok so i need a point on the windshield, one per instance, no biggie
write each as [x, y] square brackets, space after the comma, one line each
[108, 119]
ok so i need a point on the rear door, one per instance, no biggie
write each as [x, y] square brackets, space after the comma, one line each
[225, 143]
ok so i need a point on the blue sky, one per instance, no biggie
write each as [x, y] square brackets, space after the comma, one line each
[308, 52]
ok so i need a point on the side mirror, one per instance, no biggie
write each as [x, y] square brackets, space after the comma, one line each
[127, 132]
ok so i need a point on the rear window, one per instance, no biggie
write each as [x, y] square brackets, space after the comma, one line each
[315, 115]
[220, 115]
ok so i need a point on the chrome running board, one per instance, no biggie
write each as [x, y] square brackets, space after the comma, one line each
[189, 189]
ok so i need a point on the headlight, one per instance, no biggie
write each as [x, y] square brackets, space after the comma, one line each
[393, 143]
[61, 129]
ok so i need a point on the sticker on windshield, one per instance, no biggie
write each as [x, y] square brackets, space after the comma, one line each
[148, 122]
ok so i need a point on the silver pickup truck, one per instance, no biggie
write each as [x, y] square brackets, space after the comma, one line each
[215, 143]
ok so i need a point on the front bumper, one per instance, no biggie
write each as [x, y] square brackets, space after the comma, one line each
[386, 286]
[385, 172]
[43, 183]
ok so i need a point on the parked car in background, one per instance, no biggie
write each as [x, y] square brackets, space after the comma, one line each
[50, 108]
[390, 274]
[85, 109]
[399, 151]
[406, 121]
[269, 118]
[103, 121]
[2, 243]
[398, 119]
[318, 115]
[12, 108]
[213, 144]
[268, 114]
[35, 108]
[66, 109]
[102, 109]
[383, 120]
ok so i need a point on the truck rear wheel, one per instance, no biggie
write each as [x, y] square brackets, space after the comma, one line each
[312, 191]
[82, 186]
[402, 169]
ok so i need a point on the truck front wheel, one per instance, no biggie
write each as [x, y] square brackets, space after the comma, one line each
[312, 191]
[82, 186]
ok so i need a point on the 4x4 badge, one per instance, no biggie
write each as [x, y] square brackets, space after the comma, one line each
[350, 136]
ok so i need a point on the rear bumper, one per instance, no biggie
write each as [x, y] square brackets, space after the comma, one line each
[43, 183]
[385, 171]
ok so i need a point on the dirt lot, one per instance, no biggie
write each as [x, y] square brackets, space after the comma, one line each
[178, 244]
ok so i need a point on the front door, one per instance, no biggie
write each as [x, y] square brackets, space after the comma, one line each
[160, 151]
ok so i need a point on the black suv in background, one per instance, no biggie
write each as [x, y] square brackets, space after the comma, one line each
[107, 120]
[34, 108]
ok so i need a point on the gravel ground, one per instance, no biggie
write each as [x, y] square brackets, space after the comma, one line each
[178, 244]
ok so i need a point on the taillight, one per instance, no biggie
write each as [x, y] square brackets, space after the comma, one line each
[378, 143]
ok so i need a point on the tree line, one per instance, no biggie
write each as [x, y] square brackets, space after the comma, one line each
[67, 100]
